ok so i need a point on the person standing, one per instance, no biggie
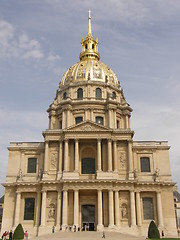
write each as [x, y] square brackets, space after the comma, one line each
[26, 234]
[103, 234]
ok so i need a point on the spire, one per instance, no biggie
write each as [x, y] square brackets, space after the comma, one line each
[89, 45]
[89, 25]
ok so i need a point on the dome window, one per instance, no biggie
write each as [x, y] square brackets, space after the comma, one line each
[114, 95]
[86, 47]
[78, 120]
[65, 95]
[98, 93]
[79, 93]
[92, 46]
[100, 120]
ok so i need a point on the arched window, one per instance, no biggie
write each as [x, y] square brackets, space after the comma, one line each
[98, 93]
[100, 120]
[64, 95]
[145, 164]
[79, 93]
[114, 95]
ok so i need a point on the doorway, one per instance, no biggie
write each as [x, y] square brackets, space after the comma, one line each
[88, 217]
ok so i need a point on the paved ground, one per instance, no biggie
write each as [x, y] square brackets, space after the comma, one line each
[86, 235]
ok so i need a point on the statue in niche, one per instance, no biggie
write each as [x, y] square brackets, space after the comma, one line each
[20, 175]
[124, 211]
[135, 174]
[156, 174]
[40, 174]
[51, 213]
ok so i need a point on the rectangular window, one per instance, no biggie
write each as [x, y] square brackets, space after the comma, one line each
[29, 209]
[178, 217]
[88, 166]
[32, 162]
[100, 120]
[145, 164]
[148, 209]
[78, 120]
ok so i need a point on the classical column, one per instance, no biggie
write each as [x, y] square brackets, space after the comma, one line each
[115, 122]
[115, 155]
[111, 209]
[127, 121]
[46, 157]
[76, 208]
[109, 155]
[130, 159]
[43, 208]
[159, 210]
[66, 154]
[132, 209]
[65, 208]
[38, 208]
[138, 209]
[76, 155]
[67, 117]
[117, 216]
[63, 120]
[109, 117]
[99, 154]
[60, 157]
[100, 208]
[92, 115]
[17, 208]
[58, 215]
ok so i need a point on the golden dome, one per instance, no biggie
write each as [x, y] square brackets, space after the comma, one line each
[89, 68]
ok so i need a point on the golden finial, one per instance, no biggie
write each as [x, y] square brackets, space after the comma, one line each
[89, 24]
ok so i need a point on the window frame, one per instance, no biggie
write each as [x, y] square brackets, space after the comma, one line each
[29, 216]
[79, 93]
[65, 95]
[79, 117]
[100, 93]
[28, 165]
[100, 117]
[145, 167]
[143, 208]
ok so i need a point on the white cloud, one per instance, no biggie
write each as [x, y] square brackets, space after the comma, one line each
[19, 45]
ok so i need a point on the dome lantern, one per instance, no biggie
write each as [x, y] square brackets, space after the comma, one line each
[89, 45]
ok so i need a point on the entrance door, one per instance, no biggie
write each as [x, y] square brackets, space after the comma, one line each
[88, 217]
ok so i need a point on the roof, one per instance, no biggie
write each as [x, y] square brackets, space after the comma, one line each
[177, 195]
[2, 199]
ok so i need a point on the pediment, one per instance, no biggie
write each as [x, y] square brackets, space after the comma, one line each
[87, 126]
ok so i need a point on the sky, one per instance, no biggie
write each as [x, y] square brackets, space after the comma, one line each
[138, 39]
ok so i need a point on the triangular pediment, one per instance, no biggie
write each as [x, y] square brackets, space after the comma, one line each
[87, 126]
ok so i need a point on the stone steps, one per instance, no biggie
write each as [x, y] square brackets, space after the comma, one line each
[85, 235]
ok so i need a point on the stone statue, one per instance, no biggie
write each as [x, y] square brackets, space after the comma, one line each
[124, 211]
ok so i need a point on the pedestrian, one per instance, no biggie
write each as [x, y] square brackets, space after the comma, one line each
[10, 235]
[162, 233]
[103, 234]
[26, 234]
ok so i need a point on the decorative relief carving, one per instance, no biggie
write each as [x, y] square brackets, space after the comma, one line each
[122, 159]
[53, 160]
[87, 128]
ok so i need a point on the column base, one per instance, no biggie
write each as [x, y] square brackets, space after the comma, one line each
[59, 175]
[45, 176]
[111, 226]
[70, 175]
[100, 227]
[131, 175]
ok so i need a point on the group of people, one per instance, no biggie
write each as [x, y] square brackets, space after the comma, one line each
[9, 235]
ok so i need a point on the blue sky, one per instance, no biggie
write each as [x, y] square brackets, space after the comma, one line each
[138, 39]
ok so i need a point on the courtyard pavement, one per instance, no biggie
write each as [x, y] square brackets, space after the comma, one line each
[85, 235]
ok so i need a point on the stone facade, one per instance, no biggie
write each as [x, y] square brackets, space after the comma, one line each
[89, 172]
